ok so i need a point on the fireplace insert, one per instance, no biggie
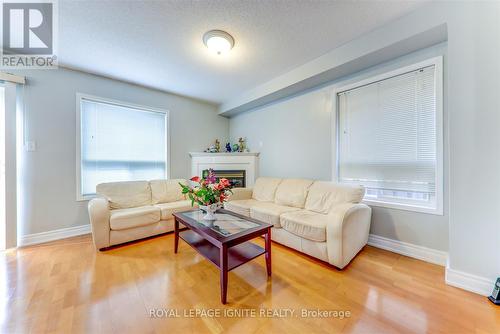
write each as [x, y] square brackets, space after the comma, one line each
[235, 177]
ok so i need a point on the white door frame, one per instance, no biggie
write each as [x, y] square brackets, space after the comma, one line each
[9, 140]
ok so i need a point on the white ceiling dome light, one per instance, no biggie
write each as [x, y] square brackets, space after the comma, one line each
[218, 41]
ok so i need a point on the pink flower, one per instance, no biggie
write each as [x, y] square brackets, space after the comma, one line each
[224, 182]
[195, 179]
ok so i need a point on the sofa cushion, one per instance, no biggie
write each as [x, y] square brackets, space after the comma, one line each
[122, 219]
[306, 224]
[292, 192]
[265, 189]
[166, 191]
[167, 209]
[324, 196]
[241, 206]
[268, 212]
[122, 195]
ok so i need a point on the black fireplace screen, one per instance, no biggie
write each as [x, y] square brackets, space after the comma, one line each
[235, 177]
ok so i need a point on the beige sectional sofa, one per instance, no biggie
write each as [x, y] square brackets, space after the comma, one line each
[126, 211]
[322, 219]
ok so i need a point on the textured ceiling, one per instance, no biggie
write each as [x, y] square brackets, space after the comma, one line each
[158, 43]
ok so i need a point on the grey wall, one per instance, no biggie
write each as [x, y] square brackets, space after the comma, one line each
[292, 136]
[48, 178]
[296, 142]
[474, 105]
[472, 190]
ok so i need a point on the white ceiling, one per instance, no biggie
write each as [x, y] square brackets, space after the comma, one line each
[159, 43]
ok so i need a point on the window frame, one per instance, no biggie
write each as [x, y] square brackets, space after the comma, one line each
[438, 63]
[82, 96]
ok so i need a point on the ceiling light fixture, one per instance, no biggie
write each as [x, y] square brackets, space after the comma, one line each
[218, 41]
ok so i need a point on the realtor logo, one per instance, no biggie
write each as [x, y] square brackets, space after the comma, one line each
[27, 28]
[28, 34]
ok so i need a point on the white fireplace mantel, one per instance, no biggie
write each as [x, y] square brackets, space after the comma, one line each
[247, 161]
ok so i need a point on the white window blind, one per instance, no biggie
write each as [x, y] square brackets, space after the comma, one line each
[387, 138]
[120, 143]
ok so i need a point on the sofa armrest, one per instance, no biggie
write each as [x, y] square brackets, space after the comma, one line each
[99, 214]
[241, 193]
[347, 232]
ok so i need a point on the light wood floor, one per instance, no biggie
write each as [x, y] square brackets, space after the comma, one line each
[66, 287]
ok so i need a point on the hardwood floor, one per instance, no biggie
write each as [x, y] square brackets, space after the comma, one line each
[66, 287]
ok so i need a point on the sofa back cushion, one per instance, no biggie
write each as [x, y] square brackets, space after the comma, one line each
[123, 195]
[292, 192]
[265, 189]
[324, 196]
[166, 191]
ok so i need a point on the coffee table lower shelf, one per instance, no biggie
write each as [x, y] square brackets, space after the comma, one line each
[236, 255]
[225, 252]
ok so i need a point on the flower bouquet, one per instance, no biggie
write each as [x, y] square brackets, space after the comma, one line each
[208, 193]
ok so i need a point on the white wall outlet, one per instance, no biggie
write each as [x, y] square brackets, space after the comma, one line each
[261, 144]
[30, 146]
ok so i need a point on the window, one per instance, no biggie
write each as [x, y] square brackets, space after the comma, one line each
[389, 137]
[119, 142]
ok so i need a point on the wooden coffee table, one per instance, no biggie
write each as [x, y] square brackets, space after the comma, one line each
[225, 242]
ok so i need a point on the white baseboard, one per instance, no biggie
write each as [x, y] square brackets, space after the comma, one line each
[407, 249]
[38, 238]
[456, 278]
[469, 282]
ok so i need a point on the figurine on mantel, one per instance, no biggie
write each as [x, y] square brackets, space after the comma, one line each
[217, 145]
[214, 148]
[240, 147]
[211, 149]
[243, 145]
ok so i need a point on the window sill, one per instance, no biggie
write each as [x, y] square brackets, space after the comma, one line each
[405, 207]
[85, 198]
